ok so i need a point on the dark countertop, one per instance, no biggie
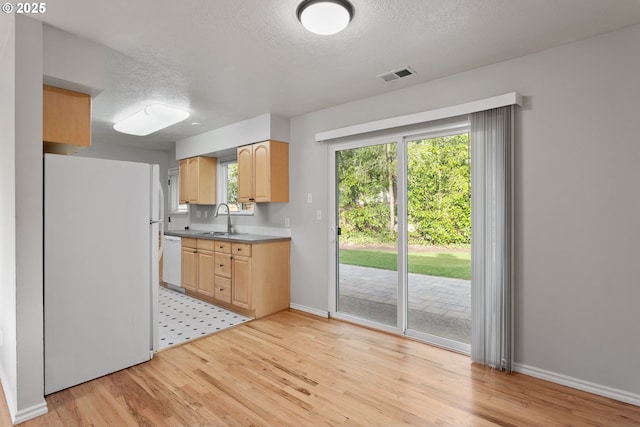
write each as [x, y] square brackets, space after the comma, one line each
[238, 238]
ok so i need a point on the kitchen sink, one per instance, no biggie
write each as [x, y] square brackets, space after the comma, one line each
[219, 233]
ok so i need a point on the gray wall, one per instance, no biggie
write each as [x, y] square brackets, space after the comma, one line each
[105, 150]
[577, 202]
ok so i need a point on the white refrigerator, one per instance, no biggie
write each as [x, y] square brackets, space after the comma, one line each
[103, 221]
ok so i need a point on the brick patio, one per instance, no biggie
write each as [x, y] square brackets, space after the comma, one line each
[437, 305]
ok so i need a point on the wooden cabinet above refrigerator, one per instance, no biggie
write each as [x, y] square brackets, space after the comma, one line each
[66, 120]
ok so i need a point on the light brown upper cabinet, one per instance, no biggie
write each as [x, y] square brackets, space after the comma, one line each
[198, 180]
[263, 172]
[66, 120]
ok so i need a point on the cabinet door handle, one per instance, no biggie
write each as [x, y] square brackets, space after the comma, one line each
[221, 265]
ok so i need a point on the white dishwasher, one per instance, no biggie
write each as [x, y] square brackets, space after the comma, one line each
[172, 263]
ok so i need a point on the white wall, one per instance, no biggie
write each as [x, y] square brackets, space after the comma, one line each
[227, 138]
[22, 353]
[577, 202]
[8, 367]
[29, 221]
[73, 63]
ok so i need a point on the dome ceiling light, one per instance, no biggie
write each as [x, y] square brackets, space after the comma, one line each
[325, 17]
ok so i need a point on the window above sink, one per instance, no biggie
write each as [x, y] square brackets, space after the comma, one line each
[227, 175]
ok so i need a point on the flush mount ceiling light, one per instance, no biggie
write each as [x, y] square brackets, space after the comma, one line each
[151, 119]
[325, 17]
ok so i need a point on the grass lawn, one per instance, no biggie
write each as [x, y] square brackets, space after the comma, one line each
[444, 264]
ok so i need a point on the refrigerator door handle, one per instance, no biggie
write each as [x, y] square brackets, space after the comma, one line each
[161, 218]
[160, 234]
[157, 226]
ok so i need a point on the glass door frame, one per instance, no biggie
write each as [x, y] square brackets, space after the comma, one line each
[401, 139]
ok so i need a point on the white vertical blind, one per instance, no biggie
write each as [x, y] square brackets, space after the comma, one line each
[491, 237]
[174, 193]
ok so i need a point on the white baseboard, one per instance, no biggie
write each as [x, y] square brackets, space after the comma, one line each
[30, 413]
[601, 390]
[24, 414]
[309, 310]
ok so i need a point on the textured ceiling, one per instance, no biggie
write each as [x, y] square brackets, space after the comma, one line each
[229, 60]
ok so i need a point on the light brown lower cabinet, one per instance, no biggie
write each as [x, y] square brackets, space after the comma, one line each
[222, 272]
[223, 289]
[205, 267]
[252, 279]
[189, 265]
[241, 283]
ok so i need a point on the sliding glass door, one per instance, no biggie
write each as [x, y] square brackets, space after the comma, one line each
[367, 242]
[439, 236]
[403, 229]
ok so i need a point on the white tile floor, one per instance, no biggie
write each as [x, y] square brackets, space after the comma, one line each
[183, 318]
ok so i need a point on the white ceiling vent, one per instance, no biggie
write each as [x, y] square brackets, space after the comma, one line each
[396, 74]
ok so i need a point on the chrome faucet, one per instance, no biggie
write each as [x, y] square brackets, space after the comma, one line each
[228, 216]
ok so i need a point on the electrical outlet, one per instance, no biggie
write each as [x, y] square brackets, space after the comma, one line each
[206, 214]
[309, 198]
[319, 215]
[286, 222]
[198, 214]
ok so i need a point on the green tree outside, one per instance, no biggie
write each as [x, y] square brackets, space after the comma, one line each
[439, 193]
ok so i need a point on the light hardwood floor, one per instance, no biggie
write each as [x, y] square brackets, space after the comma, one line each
[291, 369]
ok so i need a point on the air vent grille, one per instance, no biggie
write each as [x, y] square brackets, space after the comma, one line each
[396, 74]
